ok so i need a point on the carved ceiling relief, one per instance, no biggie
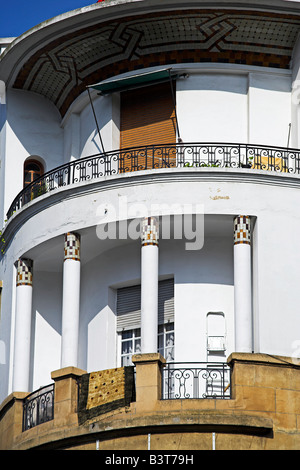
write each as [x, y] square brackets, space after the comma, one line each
[62, 69]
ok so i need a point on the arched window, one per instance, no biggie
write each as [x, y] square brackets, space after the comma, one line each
[33, 169]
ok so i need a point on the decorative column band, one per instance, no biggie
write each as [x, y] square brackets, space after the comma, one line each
[24, 272]
[72, 246]
[150, 231]
[242, 230]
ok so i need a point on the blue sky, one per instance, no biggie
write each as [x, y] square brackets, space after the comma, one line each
[17, 16]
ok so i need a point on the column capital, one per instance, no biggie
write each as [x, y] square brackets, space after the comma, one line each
[24, 272]
[72, 246]
[150, 231]
[242, 230]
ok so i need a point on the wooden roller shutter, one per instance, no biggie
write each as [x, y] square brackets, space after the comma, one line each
[147, 119]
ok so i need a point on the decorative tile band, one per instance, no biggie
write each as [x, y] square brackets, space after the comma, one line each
[72, 246]
[150, 231]
[242, 230]
[24, 272]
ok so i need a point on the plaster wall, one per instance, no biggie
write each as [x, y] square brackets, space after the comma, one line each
[235, 106]
[46, 327]
[214, 104]
[295, 97]
[2, 156]
[203, 283]
[100, 279]
[32, 129]
[203, 279]
[7, 327]
[270, 110]
[223, 105]
[107, 111]
[212, 107]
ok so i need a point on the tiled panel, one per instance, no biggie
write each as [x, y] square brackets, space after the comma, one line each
[72, 246]
[242, 230]
[150, 231]
[24, 272]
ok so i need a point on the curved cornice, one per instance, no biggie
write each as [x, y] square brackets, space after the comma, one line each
[61, 56]
[156, 423]
[145, 178]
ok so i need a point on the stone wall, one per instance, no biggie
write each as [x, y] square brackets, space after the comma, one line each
[263, 413]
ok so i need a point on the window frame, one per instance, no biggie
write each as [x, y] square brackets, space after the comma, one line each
[40, 173]
[134, 335]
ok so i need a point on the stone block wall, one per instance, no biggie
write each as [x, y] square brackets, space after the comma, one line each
[263, 413]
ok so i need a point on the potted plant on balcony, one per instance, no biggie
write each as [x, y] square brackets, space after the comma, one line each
[248, 164]
[202, 164]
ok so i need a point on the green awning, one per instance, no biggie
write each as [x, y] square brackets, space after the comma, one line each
[134, 81]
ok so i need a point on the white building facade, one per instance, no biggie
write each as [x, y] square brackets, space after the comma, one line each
[147, 231]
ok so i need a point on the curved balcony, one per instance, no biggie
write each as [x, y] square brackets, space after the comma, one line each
[195, 155]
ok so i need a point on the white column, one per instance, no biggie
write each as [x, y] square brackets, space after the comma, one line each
[242, 284]
[149, 285]
[22, 325]
[71, 299]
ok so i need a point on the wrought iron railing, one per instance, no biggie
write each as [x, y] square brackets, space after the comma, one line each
[38, 407]
[194, 155]
[196, 380]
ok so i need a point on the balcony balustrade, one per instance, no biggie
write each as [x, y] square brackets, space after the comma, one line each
[38, 407]
[179, 381]
[192, 155]
[196, 380]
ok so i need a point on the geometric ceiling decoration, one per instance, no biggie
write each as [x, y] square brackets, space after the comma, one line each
[61, 69]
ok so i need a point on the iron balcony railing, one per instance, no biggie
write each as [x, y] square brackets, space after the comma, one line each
[38, 407]
[196, 380]
[194, 155]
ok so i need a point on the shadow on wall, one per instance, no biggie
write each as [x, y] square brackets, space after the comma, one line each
[36, 124]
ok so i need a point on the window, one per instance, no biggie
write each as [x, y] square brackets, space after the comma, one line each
[166, 341]
[130, 344]
[33, 169]
[216, 336]
[129, 321]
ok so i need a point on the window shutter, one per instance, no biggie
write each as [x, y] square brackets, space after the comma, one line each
[129, 308]
[147, 118]
[165, 301]
[129, 305]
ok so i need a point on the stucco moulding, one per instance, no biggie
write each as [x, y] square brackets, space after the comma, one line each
[182, 175]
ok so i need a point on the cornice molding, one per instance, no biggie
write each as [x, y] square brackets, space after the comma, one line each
[146, 178]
